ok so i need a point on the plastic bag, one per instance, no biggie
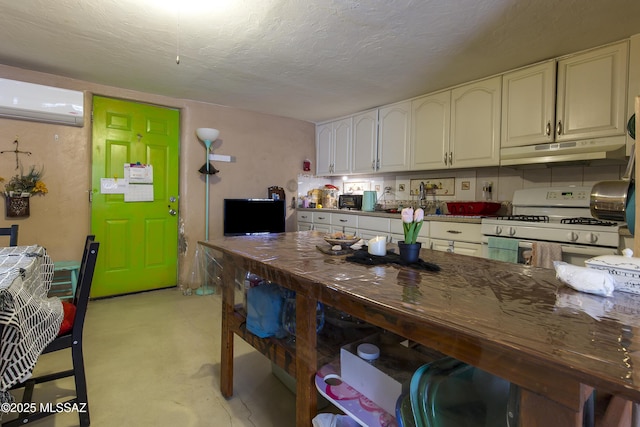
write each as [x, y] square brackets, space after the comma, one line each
[585, 279]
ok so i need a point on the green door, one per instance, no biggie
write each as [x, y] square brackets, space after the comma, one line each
[138, 239]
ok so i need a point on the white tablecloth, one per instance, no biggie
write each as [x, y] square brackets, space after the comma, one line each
[29, 321]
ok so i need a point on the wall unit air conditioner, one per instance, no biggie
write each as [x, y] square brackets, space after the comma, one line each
[29, 101]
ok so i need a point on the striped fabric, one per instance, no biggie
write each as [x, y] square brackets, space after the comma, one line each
[29, 321]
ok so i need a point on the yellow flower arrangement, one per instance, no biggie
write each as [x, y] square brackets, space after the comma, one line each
[26, 185]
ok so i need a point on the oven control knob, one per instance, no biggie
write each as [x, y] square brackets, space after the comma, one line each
[591, 237]
[572, 236]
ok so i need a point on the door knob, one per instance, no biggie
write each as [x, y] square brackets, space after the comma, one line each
[172, 212]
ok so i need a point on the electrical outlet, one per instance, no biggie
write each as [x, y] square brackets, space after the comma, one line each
[400, 187]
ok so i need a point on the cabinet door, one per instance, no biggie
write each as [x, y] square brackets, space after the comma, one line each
[364, 142]
[305, 226]
[342, 146]
[528, 105]
[475, 124]
[591, 98]
[393, 138]
[463, 248]
[430, 120]
[324, 154]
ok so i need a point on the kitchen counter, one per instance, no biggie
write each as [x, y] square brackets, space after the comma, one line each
[381, 214]
[514, 321]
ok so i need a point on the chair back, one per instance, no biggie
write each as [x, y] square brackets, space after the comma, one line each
[83, 288]
[12, 232]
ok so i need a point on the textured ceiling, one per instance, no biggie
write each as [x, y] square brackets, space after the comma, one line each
[311, 60]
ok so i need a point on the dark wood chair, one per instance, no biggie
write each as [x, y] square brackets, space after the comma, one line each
[72, 340]
[12, 232]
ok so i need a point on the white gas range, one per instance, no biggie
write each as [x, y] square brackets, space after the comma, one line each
[555, 214]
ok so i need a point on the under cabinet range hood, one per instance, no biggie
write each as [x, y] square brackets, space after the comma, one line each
[598, 150]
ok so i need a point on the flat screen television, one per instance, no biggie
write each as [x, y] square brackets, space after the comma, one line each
[253, 216]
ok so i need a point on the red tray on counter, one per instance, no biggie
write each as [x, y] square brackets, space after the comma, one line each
[473, 208]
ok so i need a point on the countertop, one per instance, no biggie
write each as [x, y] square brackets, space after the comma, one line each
[381, 214]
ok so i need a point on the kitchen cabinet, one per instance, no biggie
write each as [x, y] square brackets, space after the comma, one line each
[528, 105]
[587, 98]
[592, 93]
[333, 147]
[460, 238]
[475, 124]
[344, 223]
[305, 220]
[322, 222]
[430, 121]
[394, 137]
[365, 142]
[370, 227]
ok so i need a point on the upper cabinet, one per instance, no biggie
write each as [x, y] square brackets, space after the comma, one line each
[589, 100]
[475, 124]
[458, 128]
[528, 105]
[333, 147]
[430, 121]
[365, 142]
[393, 137]
[592, 93]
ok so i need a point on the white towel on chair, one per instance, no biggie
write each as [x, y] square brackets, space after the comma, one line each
[544, 253]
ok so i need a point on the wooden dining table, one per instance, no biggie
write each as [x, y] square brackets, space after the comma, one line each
[515, 321]
[29, 319]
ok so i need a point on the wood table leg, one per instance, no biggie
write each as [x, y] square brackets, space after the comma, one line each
[306, 360]
[618, 413]
[226, 349]
[539, 411]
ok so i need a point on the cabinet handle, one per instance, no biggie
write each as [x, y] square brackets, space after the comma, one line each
[559, 128]
[321, 217]
[450, 158]
[445, 159]
[548, 130]
[454, 231]
[343, 220]
[373, 165]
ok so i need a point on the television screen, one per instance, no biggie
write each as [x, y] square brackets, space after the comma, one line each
[253, 216]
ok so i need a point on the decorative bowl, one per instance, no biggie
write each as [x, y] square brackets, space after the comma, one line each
[345, 240]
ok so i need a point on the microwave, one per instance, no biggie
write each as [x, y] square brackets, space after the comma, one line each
[350, 201]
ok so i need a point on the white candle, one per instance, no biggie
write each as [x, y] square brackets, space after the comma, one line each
[377, 246]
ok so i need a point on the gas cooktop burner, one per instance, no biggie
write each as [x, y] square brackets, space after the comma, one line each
[587, 221]
[525, 218]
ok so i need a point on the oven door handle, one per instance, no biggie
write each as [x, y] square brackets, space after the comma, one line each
[576, 250]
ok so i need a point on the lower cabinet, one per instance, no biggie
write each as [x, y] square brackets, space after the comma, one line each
[457, 247]
[370, 227]
[459, 238]
[347, 224]
[305, 221]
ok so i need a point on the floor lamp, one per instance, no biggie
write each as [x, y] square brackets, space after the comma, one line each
[208, 136]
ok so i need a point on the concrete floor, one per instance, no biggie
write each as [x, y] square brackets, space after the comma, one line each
[153, 359]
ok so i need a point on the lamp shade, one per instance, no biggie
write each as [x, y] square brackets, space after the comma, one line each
[207, 134]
